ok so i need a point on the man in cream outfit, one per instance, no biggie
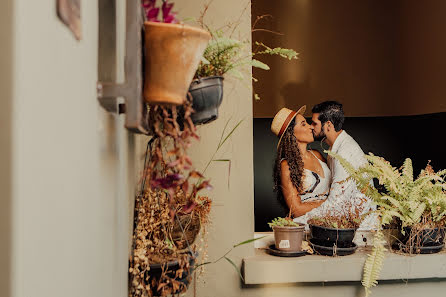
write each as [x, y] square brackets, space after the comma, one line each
[328, 118]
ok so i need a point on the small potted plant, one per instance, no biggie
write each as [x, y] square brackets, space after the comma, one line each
[417, 206]
[288, 235]
[332, 234]
[172, 54]
[224, 55]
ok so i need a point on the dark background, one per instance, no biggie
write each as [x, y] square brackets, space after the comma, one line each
[420, 138]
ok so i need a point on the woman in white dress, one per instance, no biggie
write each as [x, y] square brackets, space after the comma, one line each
[301, 176]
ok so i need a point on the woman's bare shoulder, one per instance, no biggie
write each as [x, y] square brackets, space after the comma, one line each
[284, 164]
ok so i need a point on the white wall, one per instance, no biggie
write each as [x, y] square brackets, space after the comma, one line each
[70, 160]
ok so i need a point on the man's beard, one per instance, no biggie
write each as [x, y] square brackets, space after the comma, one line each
[319, 136]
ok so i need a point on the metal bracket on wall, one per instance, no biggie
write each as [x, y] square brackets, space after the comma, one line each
[131, 90]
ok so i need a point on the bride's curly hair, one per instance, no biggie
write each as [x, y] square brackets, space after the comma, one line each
[288, 150]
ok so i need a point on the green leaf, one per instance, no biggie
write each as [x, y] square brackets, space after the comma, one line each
[235, 267]
[236, 73]
[201, 264]
[283, 52]
[257, 64]
[230, 133]
[248, 241]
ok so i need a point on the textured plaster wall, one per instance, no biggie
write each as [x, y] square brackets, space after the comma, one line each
[233, 212]
[71, 164]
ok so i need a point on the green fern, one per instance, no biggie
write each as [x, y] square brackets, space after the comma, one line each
[404, 198]
[283, 52]
[225, 55]
[374, 263]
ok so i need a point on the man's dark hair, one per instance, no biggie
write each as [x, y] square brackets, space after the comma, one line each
[330, 111]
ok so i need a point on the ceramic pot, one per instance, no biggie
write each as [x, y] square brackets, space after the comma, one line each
[207, 95]
[289, 239]
[426, 241]
[332, 236]
[172, 54]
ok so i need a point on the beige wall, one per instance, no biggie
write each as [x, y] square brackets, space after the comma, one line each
[370, 55]
[70, 162]
[233, 213]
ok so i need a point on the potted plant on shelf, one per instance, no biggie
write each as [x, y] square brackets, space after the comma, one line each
[224, 55]
[332, 234]
[288, 235]
[418, 205]
[172, 54]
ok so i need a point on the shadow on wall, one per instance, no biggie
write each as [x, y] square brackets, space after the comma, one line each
[6, 145]
[394, 138]
[368, 54]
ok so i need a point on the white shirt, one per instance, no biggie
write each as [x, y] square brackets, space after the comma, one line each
[341, 189]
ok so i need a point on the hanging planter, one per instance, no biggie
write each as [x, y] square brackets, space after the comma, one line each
[171, 271]
[207, 95]
[172, 54]
[186, 230]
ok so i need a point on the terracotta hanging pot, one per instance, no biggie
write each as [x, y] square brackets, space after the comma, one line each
[172, 54]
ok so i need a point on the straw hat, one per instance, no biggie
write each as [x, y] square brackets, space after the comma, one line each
[282, 120]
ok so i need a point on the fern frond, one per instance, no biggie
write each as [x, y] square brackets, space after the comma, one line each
[374, 263]
[417, 213]
[283, 52]
[407, 170]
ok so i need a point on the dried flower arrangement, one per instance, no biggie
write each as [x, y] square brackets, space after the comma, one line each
[347, 217]
[168, 212]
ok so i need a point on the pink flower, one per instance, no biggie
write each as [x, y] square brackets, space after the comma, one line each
[152, 12]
